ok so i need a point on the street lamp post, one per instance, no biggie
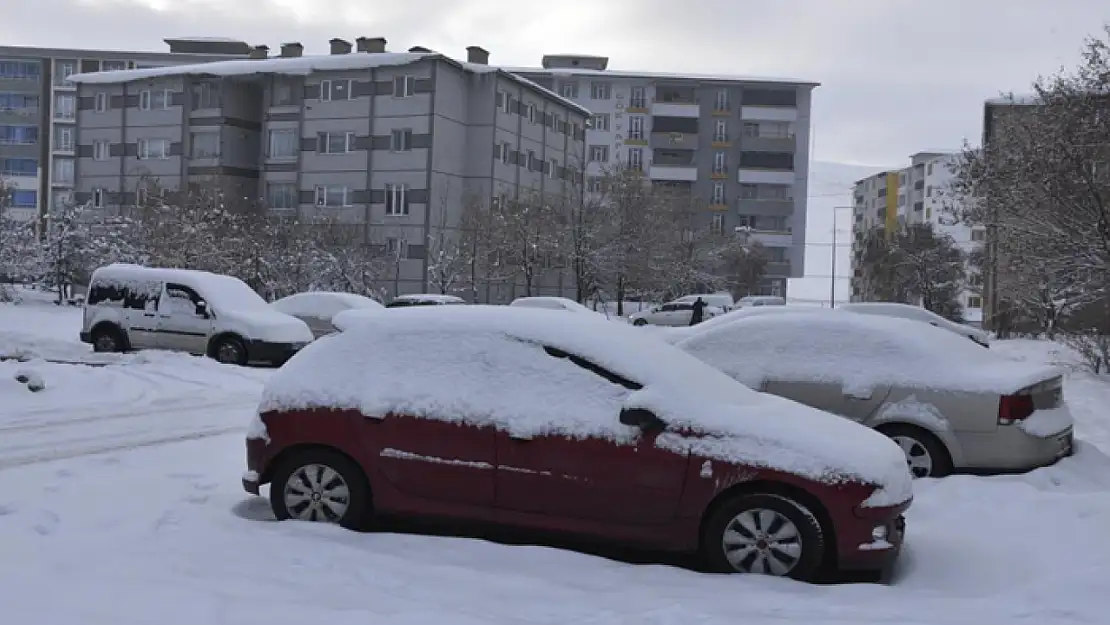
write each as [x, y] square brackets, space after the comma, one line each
[832, 273]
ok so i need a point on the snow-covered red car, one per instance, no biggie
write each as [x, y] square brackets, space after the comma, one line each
[551, 422]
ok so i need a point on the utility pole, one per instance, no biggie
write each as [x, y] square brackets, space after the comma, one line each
[833, 247]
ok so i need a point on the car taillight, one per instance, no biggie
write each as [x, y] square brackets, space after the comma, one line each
[1013, 408]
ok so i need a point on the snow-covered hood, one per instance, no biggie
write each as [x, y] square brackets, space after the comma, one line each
[782, 435]
[269, 325]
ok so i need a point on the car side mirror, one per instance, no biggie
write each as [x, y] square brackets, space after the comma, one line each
[202, 309]
[642, 418]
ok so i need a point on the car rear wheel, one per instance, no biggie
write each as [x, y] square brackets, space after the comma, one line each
[321, 486]
[230, 351]
[766, 534]
[107, 340]
[640, 322]
[925, 456]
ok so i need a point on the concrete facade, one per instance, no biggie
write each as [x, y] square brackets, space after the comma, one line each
[397, 142]
[38, 110]
[739, 145]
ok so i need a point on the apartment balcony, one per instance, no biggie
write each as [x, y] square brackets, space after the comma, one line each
[766, 176]
[777, 238]
[684, 173]
[769, 144]
[779, 207]
[674, 141]
[676, 109]
[778, 270]
[769, 113]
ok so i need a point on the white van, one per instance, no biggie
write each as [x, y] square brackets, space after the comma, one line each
[760, 300]
[132, 307]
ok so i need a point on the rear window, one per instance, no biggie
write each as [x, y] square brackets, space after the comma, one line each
[124, 294]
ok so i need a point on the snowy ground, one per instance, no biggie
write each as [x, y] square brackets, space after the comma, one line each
[120, 504]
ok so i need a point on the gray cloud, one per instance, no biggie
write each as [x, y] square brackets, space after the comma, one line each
[898, 75]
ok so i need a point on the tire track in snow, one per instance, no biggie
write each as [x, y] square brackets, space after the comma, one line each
[140, 427]
[22, 425]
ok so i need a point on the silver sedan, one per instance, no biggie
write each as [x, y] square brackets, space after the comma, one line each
[949, 404]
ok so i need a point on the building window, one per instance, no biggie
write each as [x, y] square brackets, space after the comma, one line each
[751, 129]
[530, 113]
[19, 103]
[720, 162]
[501, 152]
[776, 130]
[533, 163]
[776, 254]
[282, 195]
[101, 150]
[718, 193]
[336, 90]
[401, 140]
[204, 145]
[636, 127]
[720, 130]
[721, 103]
[100, 102]
[599, 154]
[206, 95]
[749, 192]
[144, 100]
[20, 70]
[332, 195]
[636, 159]
[283, 144]
[19, 135]
[282, 94]
[601, 91]
[63, 171]
[929, 170]
[638, 99]
[717, 224]
[113, 66]
[593, 184]
[24, 198]
[396, 200]
[154, 148]
[553, 122]
[504, 102]
[65, 106]
[901, 200]
[63, 138]
[600, 122]
[162, 99]
[569, 90]
[553, 169]
[98, 197]
[974, 301]
[978, 235]
[396, 247]
[335, 142]
[404, 86]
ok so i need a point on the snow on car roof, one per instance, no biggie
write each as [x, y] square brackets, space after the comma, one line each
[323, 304]
[430, 297]
[221, 291]
[859, 352]
[550, 303]
[487, 365]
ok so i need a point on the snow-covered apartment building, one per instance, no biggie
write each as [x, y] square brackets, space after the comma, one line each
[739, 144]
[38, 111]
[397, 142]
[916, 194]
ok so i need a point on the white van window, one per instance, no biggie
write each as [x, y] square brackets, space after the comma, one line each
[126, 294]
[180, 300]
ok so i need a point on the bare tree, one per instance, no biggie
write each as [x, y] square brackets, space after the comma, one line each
[1041, 187]
[742, 264]
[451, 254]
[526, 236]
[915, 265]
[20, 252]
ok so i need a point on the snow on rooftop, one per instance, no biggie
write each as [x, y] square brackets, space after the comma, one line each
[578, 71]
[305, 65]
[1013, 98]
[444, 363]
[208, 39]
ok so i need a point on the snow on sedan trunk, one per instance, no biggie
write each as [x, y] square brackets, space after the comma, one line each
[529, 372]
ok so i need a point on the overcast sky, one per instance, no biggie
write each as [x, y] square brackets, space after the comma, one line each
[897, 76]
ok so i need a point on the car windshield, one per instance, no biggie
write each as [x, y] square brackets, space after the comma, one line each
[231, 294]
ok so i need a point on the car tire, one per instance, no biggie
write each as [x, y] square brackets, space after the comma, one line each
[334, 489]
[106, 339]
[640, 322]
[229, 350]
[734, 539]
[920, 447]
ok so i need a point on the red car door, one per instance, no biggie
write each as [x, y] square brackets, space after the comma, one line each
[593, 479]
[434, 460]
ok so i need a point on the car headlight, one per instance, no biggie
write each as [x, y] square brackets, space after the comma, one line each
[879, 532]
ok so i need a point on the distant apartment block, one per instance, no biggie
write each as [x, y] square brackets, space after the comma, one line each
[916, 194]
[739, 145]
[399, 143]
[38, 110]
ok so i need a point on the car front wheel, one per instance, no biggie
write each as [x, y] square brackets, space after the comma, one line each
[321, 486]
[766, 534]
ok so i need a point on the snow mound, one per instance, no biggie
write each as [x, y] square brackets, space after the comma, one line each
[859, 352]
[441, 363]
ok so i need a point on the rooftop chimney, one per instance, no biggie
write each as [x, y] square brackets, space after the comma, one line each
[477, 55]
[420, 49]
[371, 44]
[259, 52]
[291, 50]
[340, 46]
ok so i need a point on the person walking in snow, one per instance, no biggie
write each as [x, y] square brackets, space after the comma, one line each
[698, 313]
